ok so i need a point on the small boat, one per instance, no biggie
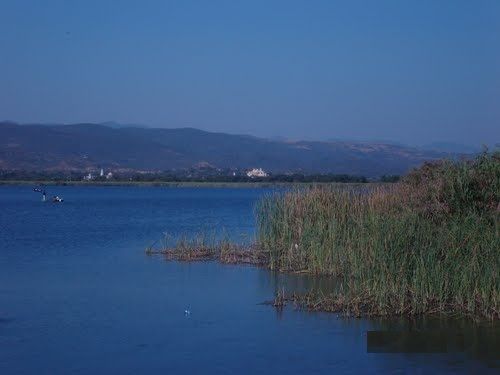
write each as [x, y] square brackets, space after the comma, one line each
[57, 199]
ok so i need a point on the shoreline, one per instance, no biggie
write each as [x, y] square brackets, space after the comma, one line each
[187, 184]
[354, 304]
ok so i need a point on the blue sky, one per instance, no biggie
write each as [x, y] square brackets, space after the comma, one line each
[408, 71]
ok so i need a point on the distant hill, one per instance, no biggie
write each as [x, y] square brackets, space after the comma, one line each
[81, 146]
[451, 148]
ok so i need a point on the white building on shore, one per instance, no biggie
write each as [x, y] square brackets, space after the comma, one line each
[257, 172]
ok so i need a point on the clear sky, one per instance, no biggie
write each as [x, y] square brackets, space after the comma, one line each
[410, 71]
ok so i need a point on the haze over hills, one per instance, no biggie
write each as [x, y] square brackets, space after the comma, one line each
[84, 146]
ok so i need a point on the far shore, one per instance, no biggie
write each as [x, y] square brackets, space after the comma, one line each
[200, 184]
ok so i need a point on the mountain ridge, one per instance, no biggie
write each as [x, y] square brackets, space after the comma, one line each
[88, 145]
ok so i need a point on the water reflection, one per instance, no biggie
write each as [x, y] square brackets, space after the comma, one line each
[436, 335]
[454, 337]
[300, 283]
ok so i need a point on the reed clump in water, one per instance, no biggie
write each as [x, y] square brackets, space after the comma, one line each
[429, 243]
[204, 248]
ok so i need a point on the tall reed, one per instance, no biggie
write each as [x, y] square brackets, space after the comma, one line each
[429, 243]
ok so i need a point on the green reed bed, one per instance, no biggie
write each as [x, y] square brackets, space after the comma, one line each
[428, 244]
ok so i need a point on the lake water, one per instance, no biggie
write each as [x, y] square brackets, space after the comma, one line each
[78, 295]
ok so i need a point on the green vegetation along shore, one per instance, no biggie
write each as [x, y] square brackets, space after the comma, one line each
[427, 244]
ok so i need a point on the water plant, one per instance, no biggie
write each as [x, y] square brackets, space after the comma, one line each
[204, 247]
[428, 243]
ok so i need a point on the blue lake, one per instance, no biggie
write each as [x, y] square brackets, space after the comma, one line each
[78, 295]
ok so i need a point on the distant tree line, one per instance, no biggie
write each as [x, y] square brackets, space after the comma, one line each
[160, 177]
[20, 175]
[180, 176]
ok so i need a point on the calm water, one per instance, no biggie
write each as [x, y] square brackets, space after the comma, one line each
[79, 296]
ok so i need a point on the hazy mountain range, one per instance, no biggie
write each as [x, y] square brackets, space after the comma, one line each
[115, 146]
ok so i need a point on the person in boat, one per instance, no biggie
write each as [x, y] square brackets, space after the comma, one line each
[44, 194]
